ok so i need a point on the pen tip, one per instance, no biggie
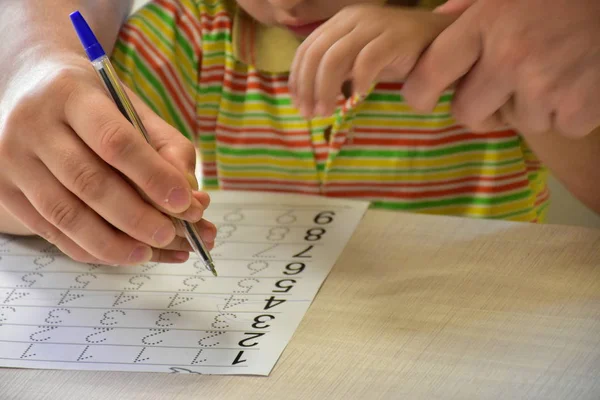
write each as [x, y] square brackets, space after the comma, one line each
[211, 266]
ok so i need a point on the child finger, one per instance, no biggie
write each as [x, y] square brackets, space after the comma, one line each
[382, 53]
[310, 63]
[297, 62]
[335, 67]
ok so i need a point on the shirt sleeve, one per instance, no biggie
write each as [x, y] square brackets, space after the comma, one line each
[158, 54]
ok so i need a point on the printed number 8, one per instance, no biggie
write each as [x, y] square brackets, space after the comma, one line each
[314, 234]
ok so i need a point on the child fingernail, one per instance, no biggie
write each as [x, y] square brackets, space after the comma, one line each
[303, 111]
[307, 111]
[321, 109]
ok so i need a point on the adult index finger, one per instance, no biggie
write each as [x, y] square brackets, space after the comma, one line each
[451, 55]
[98, 122]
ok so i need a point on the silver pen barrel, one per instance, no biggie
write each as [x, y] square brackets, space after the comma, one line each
[112, 84]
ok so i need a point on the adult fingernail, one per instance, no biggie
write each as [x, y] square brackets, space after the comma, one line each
[208, 235]
[178, 198]
[140, 254]
[182, 256]
[191, 178]
[164, 235]
[195, 212]
[203, 198]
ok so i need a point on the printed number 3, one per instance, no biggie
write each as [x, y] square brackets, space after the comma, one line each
[260, 322]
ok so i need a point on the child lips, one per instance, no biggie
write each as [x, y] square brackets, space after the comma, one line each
[305, 29]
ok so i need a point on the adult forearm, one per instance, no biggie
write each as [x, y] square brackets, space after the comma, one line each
[576, 163]
[31, 29]
[34, 32]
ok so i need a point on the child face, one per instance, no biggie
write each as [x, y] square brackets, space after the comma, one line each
[301, 17]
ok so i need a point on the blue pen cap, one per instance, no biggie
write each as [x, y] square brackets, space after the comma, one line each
[87, 38]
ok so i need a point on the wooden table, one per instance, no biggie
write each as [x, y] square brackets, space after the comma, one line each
[418, 307]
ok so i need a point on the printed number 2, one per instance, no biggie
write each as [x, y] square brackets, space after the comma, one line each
[246, 342]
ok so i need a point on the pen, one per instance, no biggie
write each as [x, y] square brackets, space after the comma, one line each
[107, 74]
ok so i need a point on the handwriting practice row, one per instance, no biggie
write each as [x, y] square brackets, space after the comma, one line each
[273, 252]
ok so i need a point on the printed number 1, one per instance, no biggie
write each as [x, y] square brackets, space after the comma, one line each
[238, 358]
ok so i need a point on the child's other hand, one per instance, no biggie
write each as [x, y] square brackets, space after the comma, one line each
[362, 44]
[71, 166]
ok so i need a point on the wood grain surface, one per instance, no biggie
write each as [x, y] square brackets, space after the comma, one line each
[417, 307]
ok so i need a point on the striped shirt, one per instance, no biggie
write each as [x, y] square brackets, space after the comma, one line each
[195, 63]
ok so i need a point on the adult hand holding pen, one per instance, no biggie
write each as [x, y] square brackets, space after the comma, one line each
[65, 149]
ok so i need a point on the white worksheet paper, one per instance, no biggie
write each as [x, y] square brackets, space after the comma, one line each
[272, 253]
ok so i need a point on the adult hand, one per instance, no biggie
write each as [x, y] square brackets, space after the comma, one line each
[71, 167]
[534, 64]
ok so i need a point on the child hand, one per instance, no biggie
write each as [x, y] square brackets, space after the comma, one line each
[362, 44]
[67, 157]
